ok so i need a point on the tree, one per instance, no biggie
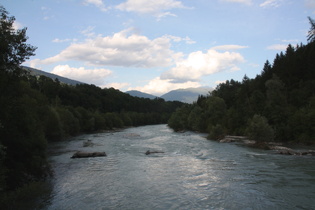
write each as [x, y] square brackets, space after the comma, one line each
[13, 47]
[311, 32]
[258, 129]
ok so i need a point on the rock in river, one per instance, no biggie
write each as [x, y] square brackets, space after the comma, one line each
[88, 154]
[151, 152]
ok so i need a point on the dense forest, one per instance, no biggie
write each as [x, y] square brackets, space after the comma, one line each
[37, 110]
[278, 104]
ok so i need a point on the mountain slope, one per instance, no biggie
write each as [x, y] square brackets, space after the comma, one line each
[65, 80]
[140, 94]
[188, 95]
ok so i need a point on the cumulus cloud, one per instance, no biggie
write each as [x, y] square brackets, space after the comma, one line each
[157, 8]
[228, 47]
[122, 49]
[158, 86]
[270, 3]
[277, 47]
[199, 64]
[97, 3]
[248, 2]
[90, 76]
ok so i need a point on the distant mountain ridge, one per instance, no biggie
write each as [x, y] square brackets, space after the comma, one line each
[36, 72]
[140, 94]
[188, 95]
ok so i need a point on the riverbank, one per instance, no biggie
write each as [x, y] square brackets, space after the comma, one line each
[278, 147]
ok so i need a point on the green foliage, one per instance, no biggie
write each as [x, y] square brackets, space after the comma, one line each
[311, 32]
[216, 132]
[214, 110]
[195, 119]
[178, 120]
[258, 129]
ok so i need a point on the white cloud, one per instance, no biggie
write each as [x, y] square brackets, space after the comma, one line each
[116, 85]
[63, 40]
[248, 2]
[277, 47]
[121, 49]
[271, 3]
[219, 82]
[97, 3]
[157, 8]
[180, 39]
[228, 47]
[199, 64]
[310, 4]
[158, 86]
[88, 32]
[90, 76]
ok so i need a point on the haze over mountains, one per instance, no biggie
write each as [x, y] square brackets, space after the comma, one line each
[188, 95]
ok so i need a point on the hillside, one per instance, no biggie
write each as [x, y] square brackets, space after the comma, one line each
[36, 72]
[188, 95]
[140, 94]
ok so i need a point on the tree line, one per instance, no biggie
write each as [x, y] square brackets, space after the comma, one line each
[278, 104]
[35, 110]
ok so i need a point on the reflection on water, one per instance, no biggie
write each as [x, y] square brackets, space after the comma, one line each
[192, 173]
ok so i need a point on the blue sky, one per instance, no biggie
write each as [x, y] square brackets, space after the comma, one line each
[155, 46]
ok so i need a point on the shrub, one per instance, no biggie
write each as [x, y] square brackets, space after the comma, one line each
[258, 129]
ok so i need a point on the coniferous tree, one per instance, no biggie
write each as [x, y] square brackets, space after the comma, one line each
[311, 32]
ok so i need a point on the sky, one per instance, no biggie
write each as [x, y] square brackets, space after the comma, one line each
[156, 46]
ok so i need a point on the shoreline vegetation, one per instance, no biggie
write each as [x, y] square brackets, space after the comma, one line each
[278, 105]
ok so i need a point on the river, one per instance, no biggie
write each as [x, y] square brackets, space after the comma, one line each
[192, 173]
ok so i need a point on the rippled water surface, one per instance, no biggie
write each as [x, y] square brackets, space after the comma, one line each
[192, 173]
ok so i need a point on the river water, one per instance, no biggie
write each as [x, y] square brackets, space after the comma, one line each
[192, 173]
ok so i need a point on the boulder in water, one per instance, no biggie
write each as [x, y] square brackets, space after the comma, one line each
[88, 154]
[152, 152]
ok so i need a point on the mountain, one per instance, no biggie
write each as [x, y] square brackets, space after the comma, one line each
[188, 95]
[141, 94]
[36, 72]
